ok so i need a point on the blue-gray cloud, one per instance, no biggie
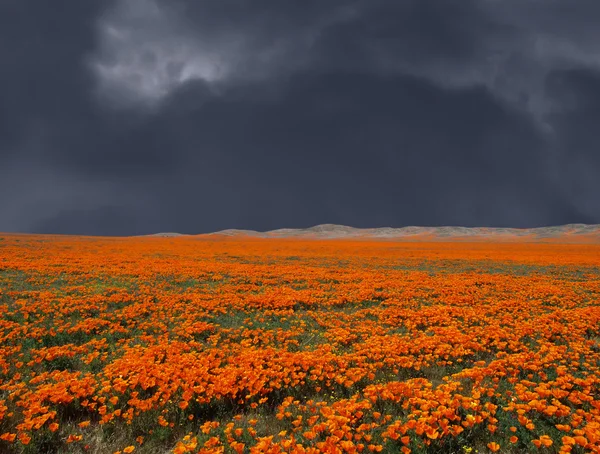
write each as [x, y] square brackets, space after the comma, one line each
[135, 116]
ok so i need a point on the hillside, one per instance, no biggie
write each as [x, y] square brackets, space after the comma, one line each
[571, 233]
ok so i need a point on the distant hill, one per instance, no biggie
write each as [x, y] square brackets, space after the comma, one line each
[583, 233]
[166, 234]
[569, 233]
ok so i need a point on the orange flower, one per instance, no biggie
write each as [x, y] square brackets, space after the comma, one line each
[237, 447]
[180, 448]
[7, 436]
[24, 438]
[493, 446]
[568, 441]
[433, 434]
[309, 435]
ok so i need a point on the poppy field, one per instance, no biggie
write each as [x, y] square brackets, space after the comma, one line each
[236, 345]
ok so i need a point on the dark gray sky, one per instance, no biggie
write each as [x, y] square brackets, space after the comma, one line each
[124, 117]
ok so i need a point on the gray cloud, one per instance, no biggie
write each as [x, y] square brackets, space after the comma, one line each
[145, 52]
[135, 116]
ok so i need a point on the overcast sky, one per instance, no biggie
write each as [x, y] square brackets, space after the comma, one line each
[125, 117]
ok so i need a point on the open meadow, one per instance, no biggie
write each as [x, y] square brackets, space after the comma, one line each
[213, 344]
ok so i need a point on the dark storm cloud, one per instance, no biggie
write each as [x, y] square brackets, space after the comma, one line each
[136, 116]
[41, 46]
[576, 135]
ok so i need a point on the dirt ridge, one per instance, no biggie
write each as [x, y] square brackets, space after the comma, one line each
[571, 232]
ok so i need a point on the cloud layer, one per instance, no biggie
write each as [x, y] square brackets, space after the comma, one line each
[136, 116]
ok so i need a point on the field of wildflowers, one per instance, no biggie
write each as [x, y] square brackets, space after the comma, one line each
[205, 344]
